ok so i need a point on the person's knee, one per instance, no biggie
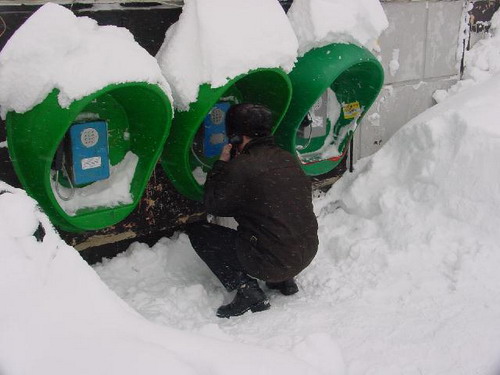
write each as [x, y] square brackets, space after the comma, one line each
[198, 232]
[194, 228]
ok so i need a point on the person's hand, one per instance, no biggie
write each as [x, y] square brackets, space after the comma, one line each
[226, 152]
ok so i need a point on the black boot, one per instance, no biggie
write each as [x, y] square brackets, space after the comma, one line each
[248, 297]
[287, 287]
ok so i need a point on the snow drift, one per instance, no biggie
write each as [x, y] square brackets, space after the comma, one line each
[57, 316]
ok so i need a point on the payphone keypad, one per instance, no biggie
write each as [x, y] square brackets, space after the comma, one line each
[89, 137]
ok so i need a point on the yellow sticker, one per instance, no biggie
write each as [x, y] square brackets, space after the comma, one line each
[351, 110]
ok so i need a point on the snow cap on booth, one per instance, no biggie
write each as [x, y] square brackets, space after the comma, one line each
[217, 40]
[54, 49]
[358, 22]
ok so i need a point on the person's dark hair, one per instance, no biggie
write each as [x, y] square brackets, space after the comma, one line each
[252, 120]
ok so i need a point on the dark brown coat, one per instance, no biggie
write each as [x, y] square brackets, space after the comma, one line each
[269, 195]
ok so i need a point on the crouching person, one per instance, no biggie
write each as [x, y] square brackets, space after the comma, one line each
[264, 188]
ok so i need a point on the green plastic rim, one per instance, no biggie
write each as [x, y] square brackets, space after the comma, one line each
[352, 72]
[140, 109]
[270, 87]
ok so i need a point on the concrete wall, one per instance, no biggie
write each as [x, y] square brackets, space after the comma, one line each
[425, 35]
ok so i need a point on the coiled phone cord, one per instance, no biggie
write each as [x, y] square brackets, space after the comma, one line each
[306, 122]
[60, 166]
[198, 159]
[303, 147]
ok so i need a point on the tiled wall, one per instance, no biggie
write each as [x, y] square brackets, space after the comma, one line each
[427, 36]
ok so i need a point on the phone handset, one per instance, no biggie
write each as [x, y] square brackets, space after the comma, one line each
[306, 123]
[235, 140]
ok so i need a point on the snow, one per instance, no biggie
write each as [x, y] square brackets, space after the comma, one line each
[199, 175]
[54, 49]
[58, 317]
[321, 22]
[110, 192]
[217, 40]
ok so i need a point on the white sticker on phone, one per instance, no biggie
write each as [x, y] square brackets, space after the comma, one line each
[89, 163]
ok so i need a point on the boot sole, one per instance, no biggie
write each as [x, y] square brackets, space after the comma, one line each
[261, 306]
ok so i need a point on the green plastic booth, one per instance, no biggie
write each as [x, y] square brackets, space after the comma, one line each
[182, 156]
[137, 118]
[344, 77]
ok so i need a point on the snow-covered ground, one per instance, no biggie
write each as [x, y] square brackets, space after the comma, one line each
[57, 317]
[405, 281]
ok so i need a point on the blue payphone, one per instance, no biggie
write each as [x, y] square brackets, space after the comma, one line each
[89, 152]
[82, 157]
[214, 127]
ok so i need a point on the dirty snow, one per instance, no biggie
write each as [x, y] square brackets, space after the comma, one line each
[359, 22]
[54, 49]
[214, 41]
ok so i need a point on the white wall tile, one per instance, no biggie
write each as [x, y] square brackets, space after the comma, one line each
[406, 33]
[442, 38]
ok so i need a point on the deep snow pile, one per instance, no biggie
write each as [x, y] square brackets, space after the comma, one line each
[359, 22]
[214, 41]
[58, 317]
[416, 236]
[54, 49]
[406, 279]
